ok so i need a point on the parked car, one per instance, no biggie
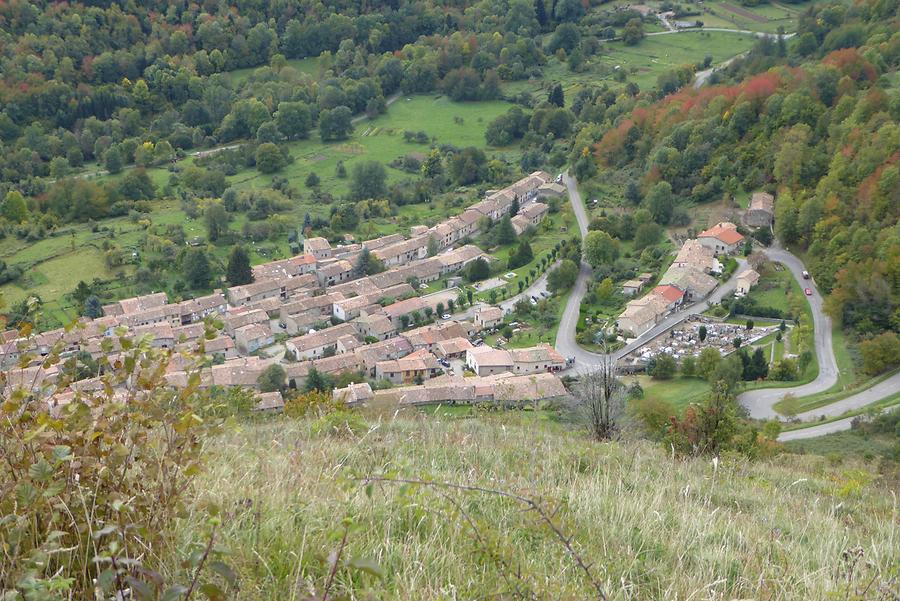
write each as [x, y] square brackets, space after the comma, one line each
[805, 275]
[808, 291]
[445, 316]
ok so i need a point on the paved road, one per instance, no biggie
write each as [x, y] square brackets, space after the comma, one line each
[565, 336]
[841, 424]
[701, 77]
[536, 289]
[759, 402]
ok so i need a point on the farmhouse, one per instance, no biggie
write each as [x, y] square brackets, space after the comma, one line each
[642, 314]
[354, 394]
[270, 401]
[416, 367]
[632, 287]
[488, 317]
[318, 248]
[197, 309]
[313, 345]
[426, 337]
[761, 212]
[536, 359]
[401, 253]
[455, 260]
[335, 273]
[243, 318]
[285, 268]
[376, 325]
[722, 238]
[694, 255]
[251, 338]
[486, 361]
[408, 307]
[452, 348]
[694, 283]
[251, 293]
[745, 281]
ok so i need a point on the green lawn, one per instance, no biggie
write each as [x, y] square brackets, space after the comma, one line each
[888, 401]
[533, 331]
[547, 234]
[775, 288]
[309, 66]
[679, 391]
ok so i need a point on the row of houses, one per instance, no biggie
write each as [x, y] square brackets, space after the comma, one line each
[688, 279]
[503, 388]
[301, 296]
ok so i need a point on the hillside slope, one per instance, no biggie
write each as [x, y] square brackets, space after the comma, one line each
[648, 525]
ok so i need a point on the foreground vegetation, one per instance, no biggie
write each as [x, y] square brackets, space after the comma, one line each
[644, 522]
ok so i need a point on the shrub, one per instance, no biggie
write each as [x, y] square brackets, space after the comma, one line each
[339, 423]
[90, 486]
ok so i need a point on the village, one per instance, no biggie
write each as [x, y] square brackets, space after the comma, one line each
[330, 320]
[314, 312]
[694, 274]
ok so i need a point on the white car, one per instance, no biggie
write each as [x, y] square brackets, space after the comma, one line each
[445, 316]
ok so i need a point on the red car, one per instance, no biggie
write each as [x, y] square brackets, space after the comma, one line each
[808, 291]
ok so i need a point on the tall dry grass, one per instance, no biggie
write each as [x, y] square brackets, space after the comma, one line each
[651, 526]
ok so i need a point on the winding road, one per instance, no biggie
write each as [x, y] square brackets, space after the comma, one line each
[565, 336]
[759, 403]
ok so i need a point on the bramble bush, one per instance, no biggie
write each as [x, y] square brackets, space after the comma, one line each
[95, 481]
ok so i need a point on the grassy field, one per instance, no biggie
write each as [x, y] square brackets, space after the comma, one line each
[765, 17]
[532, 330]
[888, 401]
[447, 122]
[655, 55]
[679, 391]
[309, 66]
[642, 63]
[57, 263]
[849, 443]
[650, 527]
[775, 288]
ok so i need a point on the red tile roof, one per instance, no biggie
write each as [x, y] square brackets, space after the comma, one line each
[722, 231]
[670, 293]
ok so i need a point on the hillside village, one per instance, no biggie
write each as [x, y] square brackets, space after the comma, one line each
[335, 321]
